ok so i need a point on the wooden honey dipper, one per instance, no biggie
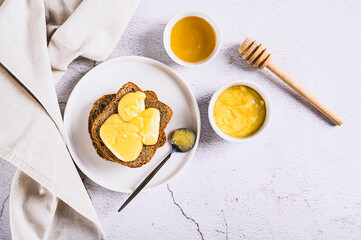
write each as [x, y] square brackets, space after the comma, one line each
[255, 54]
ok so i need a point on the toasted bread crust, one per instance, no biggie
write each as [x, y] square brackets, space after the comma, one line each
[107, 105]
[100, 104]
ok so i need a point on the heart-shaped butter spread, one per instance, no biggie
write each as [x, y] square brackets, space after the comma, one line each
[125, 133]
[131, 105]
[148, 124]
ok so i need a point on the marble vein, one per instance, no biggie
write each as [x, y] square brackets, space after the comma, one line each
[184, 214]
[3, 206]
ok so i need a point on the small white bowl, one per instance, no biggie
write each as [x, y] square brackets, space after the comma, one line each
[174, 20]
[266, 122]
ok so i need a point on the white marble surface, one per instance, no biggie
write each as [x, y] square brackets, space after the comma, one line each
[301, 180]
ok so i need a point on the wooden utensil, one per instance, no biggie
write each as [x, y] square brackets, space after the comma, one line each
[256, 55]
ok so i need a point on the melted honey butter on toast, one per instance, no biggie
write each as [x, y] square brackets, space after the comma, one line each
[125, 133]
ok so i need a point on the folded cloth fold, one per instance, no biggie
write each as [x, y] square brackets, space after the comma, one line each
[38, 40]
[37, 213]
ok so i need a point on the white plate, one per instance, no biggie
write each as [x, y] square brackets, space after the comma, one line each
[107, 78]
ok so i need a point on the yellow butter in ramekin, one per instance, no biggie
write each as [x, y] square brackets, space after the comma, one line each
[239, 111]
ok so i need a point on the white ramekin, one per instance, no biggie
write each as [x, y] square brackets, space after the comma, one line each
[266, 122]
[174, 20]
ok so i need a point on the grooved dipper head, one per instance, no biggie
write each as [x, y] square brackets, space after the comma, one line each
[254, 53]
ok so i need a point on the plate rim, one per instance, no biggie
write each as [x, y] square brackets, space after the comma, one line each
[163, 67]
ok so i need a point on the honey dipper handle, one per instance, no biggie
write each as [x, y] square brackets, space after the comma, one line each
[304, 93]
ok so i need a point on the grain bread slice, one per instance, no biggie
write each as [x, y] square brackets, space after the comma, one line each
[108, 105]
[100, 104]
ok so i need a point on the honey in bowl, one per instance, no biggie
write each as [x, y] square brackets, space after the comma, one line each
[193, 39]
[239, 111]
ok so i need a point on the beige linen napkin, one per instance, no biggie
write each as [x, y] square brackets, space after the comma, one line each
[37, 41]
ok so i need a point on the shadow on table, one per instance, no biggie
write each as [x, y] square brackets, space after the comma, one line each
[151, 44]
[208, 135]
[76, 70]
[234, 58]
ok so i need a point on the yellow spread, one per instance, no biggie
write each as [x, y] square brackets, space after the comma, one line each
[121, 138]
[192, 39]
[183, 138]
[125, 133]
[131, 105]
[239, 111]
[148, 124]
